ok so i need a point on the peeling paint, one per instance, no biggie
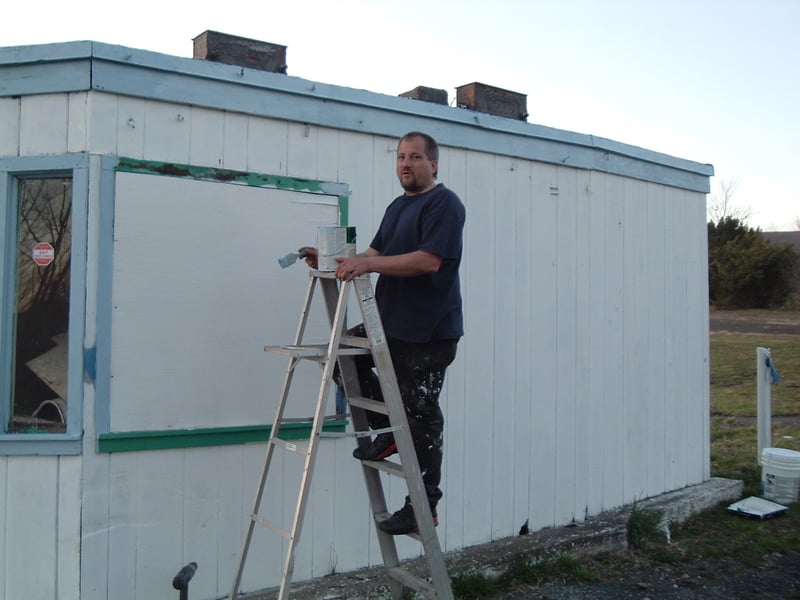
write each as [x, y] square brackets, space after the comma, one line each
[131, 165]
[90, 364]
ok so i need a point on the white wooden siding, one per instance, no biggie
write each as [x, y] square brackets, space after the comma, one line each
[40, 508]
[581, 383]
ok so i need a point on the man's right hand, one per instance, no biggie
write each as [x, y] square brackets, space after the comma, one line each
[311, 255]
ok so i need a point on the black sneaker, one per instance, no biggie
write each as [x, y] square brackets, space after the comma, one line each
[379, 449]
[403, 522]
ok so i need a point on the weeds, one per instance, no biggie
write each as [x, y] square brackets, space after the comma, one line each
[522, 571]
[644, 526]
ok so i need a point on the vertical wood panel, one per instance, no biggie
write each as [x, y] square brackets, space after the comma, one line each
[601, 448]
[385, 186]
[698, 467]
[503, 255]
[206, 136]
[565, 345]
[356, 167]
[31, 502]
[328, 155]
[267, 549]
[479, 240]
[78, 124]
[9, 126]
[520, 271]
[266, 146]
[230, 513]
[123, 523]
[96, 126]
[635, 343]
[302, 150]
[352, 519]
[201, 521]
[453, 173]
[680, 416]
[131, 125]
[158, 522]
[43, 124]
[167, 132]
[584, 308]
[545, 338]
[699, 325]
[69, 527]
[655, 258]
[95, 548]
[613, 409]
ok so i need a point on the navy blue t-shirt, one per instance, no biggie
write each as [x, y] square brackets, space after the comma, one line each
[426, 307]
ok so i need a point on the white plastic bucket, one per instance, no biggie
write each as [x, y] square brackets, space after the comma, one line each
[780, 475]
[333, 243]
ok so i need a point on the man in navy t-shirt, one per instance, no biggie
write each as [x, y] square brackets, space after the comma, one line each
[417, 252]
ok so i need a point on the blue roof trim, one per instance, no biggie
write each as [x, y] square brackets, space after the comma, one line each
[77, 66]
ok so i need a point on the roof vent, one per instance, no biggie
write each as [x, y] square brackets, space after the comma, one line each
[427, 94]
[239, 51]
[493, 100]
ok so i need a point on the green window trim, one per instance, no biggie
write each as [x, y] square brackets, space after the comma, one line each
[279, 182]
[136, 441]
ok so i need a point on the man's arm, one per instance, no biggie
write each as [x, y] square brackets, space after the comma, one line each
[410, 264]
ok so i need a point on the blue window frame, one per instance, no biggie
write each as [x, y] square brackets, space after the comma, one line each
[43, 246]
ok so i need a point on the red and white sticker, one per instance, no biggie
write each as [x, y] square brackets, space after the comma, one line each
[43, 254]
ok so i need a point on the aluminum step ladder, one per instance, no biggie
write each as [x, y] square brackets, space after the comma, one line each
[342, 349]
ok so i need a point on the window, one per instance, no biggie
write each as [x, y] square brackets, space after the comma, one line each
[43, 243]
[42, 281]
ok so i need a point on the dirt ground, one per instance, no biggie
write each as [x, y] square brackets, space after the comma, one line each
[755, 321]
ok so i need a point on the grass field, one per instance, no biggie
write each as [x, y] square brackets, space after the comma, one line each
[733, 402]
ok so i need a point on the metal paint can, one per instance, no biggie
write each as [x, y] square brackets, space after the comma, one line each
[333, 243]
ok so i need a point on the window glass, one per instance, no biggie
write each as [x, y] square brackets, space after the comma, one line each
[44, 236]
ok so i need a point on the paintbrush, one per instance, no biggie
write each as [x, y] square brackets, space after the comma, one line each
[291, 258]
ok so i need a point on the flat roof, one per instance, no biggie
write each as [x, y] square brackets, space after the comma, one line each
[87, 65]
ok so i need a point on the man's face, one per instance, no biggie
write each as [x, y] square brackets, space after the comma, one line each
[414, 169]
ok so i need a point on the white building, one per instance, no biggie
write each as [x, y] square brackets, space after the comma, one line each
[167, 187]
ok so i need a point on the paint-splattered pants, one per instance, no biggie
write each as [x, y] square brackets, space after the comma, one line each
[420, 372]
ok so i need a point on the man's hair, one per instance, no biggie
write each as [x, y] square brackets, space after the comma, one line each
[431, 147]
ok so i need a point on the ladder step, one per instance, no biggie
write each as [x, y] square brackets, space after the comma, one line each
[291, 446]
[354, 340]
[369, 404]
[310, 420]
[412, 581]
[387, 466]
[270, 525]
[312, 351]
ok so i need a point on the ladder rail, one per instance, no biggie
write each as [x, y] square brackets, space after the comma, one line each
[405, 444]
[339, 322]
[270, 450]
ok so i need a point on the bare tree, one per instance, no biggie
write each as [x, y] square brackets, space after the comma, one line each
[720, 204]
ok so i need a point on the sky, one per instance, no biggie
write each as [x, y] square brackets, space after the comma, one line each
[713, 81]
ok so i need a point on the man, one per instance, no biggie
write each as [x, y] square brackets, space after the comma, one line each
[417, 252]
